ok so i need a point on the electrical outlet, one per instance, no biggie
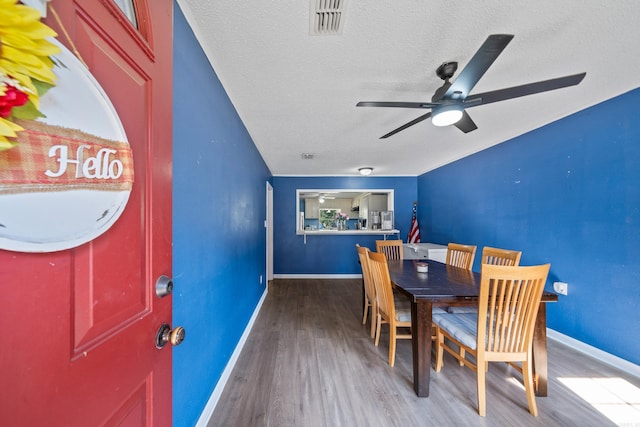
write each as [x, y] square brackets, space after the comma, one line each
[561, 287]
[261, 279]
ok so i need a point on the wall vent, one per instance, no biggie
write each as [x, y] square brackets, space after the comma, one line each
[326, 17]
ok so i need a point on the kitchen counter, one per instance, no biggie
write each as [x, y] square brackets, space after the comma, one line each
[430, 251]
[330, 231]
[367, 232]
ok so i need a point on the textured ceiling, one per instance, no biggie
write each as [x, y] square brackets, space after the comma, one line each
[296, 93]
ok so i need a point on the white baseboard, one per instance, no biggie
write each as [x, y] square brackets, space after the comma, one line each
[207, 412]
[317, 276]
[603, 356]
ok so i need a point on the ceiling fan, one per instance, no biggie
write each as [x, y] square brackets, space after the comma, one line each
[320, 196]
[449, 102]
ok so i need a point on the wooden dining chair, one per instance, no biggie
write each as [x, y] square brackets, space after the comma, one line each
[496, 256]
[391, 248]
[395, 310]
[369, 289]
[502, 330]
[493, 256]
[460, 255]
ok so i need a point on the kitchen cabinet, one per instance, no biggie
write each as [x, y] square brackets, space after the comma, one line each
[355, 203]
[363, 208]
[311, 208]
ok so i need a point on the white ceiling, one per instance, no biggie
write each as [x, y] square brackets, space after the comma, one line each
[296, 93]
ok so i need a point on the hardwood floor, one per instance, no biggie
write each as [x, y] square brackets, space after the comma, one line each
[309, 362]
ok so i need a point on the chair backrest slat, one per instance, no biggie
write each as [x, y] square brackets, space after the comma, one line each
[382, 282]
[392, 249]
[496, 256]
[460, 255]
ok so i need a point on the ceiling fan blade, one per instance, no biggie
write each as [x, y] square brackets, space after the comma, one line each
[466, 123]
[477, 66]
[523, 90]
[406, 125]
[396, 104]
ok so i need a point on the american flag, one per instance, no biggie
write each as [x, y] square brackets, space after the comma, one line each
[414, 233]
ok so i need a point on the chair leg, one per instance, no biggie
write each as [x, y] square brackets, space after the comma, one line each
[481, 375]
[439, 349]
[392, 343]
[378, 325]
[366, 310]
[374, 309]
[527, 376]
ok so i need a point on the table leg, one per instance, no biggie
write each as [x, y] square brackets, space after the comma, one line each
[421, 345]
[540, 373]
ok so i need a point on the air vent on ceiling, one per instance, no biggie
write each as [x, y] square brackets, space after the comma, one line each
[326, 17]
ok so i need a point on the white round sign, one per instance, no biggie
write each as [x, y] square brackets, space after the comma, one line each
[46, 216]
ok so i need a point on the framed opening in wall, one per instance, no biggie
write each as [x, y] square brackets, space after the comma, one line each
[361, 210]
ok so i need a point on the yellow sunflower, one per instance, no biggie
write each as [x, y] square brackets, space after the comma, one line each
[25, 66]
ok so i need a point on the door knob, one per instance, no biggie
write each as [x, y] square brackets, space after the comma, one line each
[166, 335]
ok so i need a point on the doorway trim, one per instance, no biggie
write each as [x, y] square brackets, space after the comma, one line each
[268, 224]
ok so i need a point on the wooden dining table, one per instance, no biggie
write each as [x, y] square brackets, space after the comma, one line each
[444, 286]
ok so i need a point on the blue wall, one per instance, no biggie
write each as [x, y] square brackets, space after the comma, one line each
[218, 226]
[331, 254]
[568, 194]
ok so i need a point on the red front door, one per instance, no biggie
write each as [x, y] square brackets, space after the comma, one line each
[77, 346]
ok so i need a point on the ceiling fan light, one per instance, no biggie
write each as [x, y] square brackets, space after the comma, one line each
[365, 171]
[447, 115]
